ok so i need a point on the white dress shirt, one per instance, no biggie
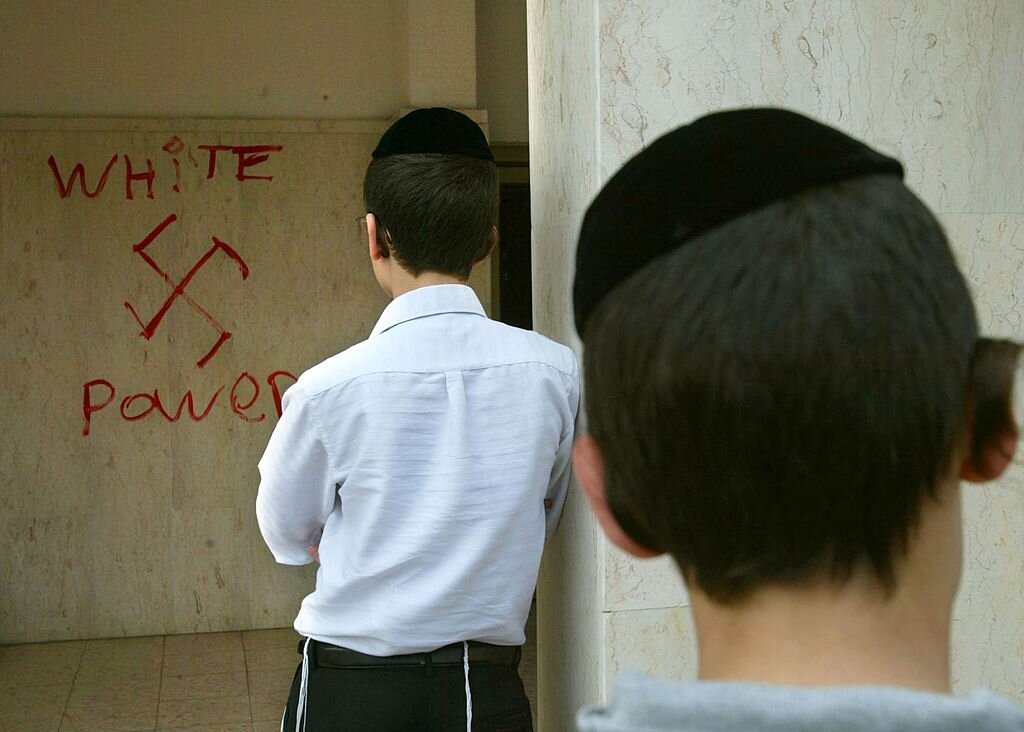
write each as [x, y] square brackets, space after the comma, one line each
[419, 461]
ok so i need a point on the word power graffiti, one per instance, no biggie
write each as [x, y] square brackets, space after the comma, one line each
[178, 288]
[242, 399]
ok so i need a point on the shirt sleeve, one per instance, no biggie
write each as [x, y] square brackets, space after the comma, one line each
[297, 492]
[561, 471]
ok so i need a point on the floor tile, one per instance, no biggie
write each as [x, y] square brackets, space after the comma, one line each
[148, 645]
[257, 640]
[272, 658]
[194, 712]
[205, 661]
[202, 643]
[268, 692]
[114, 691]
[270, 680]
[122, 655]
[203, 686]
[111, 672]
[33, 721]
[26, 703]
[232, 727]
[199, 664]
[268, 706]
[40, 664]
[16, 698]
[110, 718]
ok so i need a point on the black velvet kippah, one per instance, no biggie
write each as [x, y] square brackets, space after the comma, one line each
[701, 175]
[434, 130]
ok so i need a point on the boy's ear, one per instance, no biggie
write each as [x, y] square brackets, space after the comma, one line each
[588, 464]
[491, 243]
[988, 460]
[992, 436]
[376, 252]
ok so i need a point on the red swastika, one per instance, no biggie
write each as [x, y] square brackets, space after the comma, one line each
[178, 288]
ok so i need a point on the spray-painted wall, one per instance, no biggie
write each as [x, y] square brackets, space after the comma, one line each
[145, 524]
[937, 84]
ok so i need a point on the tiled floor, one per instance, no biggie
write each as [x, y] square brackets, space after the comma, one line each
[213, 682]
[210, 682]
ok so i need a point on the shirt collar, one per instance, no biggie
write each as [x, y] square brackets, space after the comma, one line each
[426, 301]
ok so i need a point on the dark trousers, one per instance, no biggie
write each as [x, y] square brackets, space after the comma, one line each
[410, 699]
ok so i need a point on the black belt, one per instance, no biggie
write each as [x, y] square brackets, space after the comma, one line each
[325, 655]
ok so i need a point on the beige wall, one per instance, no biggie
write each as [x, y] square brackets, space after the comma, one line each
[119, 520]
[304, 59]
[146, 527]
[231, 58]
[937, 84]
[501, 64]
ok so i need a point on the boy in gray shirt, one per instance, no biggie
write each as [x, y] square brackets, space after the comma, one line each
[785, 387]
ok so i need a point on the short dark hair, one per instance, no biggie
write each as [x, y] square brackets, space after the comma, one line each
[776, 398]
[435, 211]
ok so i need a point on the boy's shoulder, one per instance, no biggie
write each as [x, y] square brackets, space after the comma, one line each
[679, 706]
[390, 352]
[357, 360]
[541, 346]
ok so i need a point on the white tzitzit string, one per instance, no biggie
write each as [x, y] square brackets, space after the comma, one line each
[469, 697]
[300, 706]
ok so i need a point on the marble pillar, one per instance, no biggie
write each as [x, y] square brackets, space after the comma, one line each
[937, 84]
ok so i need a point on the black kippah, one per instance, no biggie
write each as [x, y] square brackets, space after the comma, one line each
[434, 130]
[701, 175]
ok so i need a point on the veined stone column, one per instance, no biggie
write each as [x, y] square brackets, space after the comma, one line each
[937, 85]
[564, 118]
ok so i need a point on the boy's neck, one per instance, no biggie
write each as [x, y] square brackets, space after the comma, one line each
[403, 282]
[823, 637]
[854, 633]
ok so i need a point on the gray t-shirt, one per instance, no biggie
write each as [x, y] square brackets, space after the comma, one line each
[640, 704]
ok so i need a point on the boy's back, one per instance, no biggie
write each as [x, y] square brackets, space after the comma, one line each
[443, 434]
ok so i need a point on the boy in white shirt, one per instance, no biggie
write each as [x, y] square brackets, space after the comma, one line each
[427, 464]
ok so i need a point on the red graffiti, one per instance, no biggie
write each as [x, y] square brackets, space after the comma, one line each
[78, 173]
[88, 406]
[248, 156]
[130, 177]
[174, 145]
[276, 390]
[154, 401]
[236, 405]
[243, 395]
[178, 288]
[211, 169]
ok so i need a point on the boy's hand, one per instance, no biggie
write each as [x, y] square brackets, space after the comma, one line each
[314, 551]
[547, 503]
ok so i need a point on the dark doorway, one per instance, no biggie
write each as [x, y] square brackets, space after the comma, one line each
[515, 293]
[511, 283]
